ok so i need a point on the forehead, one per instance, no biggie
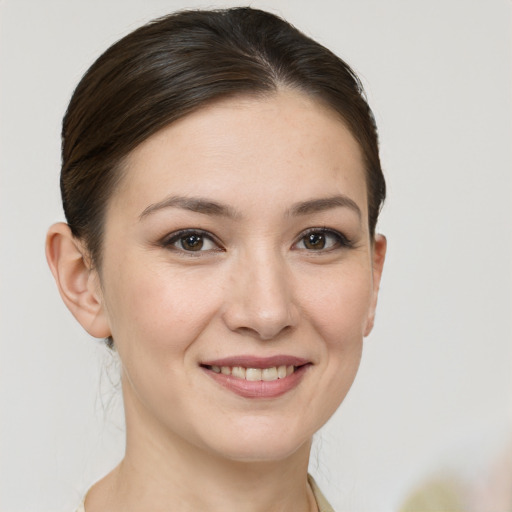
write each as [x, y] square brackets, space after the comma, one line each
[248, 150]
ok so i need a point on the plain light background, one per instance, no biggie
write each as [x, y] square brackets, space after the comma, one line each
[435, 385]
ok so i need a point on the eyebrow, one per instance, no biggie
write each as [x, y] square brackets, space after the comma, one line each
[209, 207]
[194, 204]
[323, 204]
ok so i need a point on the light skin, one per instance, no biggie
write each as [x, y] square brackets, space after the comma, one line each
[240, 231]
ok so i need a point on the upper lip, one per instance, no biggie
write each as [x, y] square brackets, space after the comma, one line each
[247, 361]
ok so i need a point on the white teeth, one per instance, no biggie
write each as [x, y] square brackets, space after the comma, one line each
[238, 371]
[269, 374]
[255, 374]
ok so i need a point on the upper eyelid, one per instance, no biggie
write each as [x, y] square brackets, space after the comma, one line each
[344, 240]
[324, 230]
[171, 238]
[176, 235]
[321, 229]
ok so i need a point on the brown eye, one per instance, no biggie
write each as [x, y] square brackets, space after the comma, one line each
[323, 240]
[314, 241]
[192, 242]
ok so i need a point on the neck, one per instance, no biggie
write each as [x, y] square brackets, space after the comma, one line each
[162, 474]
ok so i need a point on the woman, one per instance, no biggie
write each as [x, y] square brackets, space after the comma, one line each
[221, 183]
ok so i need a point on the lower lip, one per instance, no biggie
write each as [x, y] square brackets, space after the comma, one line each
[259, 388]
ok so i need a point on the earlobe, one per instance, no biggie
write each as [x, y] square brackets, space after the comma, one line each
[378, 257]
[77, 283]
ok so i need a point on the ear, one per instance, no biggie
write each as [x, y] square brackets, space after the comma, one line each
[78, 283]
[378, 257]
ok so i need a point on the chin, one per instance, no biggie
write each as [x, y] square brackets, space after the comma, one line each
[265, 444]
[272, 452]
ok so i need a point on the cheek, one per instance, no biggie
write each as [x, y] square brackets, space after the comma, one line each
[340, 309]
[337, 315]
[158, 310]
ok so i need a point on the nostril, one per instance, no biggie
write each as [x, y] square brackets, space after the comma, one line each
[265, 333]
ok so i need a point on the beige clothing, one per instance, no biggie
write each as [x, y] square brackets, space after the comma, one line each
[321, 502]
[323, 505]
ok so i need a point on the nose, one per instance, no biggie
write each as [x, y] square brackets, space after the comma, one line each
[260, 298]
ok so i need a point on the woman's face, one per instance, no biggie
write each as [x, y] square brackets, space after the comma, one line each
[238, 276]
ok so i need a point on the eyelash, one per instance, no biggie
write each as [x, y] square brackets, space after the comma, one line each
[340, 241]
[171, 240]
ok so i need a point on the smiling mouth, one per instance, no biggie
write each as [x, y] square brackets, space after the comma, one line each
[256, 377]
[254, 374]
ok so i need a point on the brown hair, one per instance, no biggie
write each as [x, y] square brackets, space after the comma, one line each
[177, 64]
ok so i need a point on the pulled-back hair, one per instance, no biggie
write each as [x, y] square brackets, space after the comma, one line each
[177, 64]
